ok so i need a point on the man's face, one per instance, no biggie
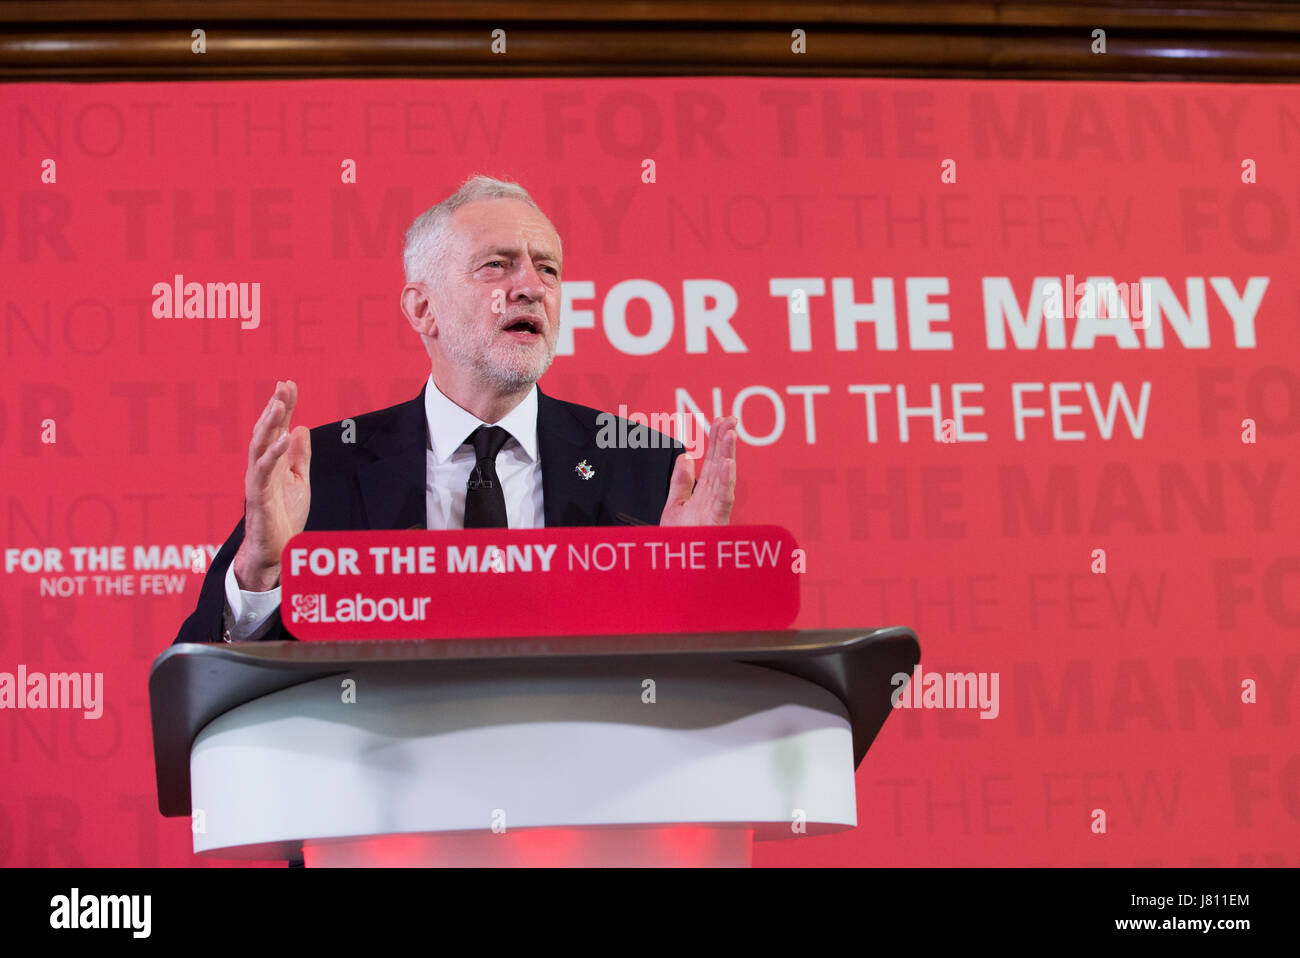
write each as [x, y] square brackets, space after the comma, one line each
[498, 301]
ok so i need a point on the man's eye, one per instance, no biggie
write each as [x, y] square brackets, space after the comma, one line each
[494, 262]
[552, 269]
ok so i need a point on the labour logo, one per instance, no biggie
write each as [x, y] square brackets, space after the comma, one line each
[306, 608]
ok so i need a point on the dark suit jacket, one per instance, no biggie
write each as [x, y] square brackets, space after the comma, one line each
[378, 482]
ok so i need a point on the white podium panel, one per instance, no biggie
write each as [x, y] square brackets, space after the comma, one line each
[619, 763]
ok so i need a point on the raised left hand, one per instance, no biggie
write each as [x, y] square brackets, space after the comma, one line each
[713, 496]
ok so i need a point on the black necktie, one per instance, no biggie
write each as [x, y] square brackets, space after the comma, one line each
[485, 502]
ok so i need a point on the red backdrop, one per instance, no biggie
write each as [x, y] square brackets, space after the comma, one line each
[1161, 690]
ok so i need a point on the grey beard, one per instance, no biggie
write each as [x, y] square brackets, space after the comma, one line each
[511, 380]
[507, 380]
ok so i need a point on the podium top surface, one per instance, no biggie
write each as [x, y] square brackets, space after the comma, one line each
[192, 684]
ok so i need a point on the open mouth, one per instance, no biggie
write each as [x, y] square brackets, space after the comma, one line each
[525, 327]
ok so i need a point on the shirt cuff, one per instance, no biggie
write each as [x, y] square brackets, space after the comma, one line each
[249, 613]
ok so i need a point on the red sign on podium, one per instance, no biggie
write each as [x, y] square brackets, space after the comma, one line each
[591, 580]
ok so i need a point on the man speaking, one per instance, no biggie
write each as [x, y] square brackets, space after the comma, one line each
[480, 446]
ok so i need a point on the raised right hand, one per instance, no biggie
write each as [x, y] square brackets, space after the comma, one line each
[277, 491]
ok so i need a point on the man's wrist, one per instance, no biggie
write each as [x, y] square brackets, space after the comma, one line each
[253, 578]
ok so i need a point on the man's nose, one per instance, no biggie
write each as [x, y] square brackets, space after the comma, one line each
[528, 283]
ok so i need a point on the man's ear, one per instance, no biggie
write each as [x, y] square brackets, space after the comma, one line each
[417, 307]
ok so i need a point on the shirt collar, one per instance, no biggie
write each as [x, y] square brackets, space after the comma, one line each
[449, 425]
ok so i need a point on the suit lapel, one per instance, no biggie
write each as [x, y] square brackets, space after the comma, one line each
[392, 485]
[563, 443]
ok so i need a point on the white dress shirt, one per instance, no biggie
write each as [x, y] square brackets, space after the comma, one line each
[448, 463]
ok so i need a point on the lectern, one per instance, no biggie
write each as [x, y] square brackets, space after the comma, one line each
[634, 750]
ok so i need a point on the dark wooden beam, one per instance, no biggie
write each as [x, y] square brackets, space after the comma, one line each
[150, 39]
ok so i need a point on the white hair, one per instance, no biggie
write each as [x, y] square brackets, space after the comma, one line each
[426, 240]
